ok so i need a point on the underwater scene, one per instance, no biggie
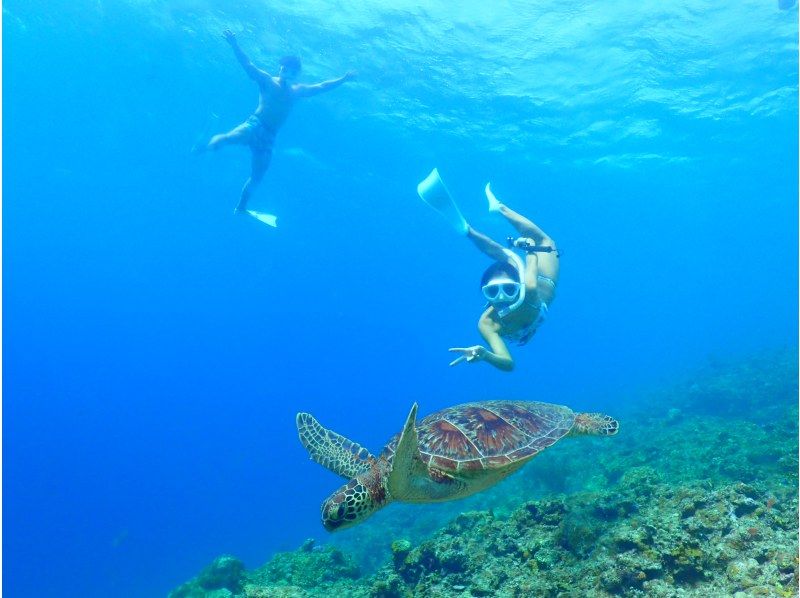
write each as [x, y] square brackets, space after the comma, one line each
[284, 312]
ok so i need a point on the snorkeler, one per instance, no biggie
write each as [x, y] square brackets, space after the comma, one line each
[276, 98]
[517, 292]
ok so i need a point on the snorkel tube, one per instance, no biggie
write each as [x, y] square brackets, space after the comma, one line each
[517, 262]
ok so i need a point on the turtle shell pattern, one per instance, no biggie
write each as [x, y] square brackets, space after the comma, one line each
[488, 435]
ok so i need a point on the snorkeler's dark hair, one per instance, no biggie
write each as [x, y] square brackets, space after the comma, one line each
[498, 268]
[290, 62]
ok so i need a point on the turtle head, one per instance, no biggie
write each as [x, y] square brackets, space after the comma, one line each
[355, 501]
[597, 424]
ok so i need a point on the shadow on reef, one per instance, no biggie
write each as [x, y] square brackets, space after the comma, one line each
[697, 496]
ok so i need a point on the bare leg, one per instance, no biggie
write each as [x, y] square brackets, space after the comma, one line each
[238, 135]
[491, 248]
[524, 226]
[548, 262]
[223, 139]
[259, 165]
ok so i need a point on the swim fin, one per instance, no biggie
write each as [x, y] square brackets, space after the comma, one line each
[494, 203]
[268, 219]
[433, 192]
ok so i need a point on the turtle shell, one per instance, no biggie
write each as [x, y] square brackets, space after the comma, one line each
[488, 435]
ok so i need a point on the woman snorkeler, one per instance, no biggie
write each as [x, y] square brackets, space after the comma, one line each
[518, 292]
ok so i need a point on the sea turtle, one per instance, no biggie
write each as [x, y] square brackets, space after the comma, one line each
[449, 454]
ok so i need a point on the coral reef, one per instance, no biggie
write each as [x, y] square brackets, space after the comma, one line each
[223, 577]
[697, 496]
[287, 574]
[712, 542]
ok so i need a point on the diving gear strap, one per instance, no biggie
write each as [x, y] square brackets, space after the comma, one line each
[528, 245]
[434, 193]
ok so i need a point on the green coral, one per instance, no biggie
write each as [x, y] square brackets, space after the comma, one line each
[223, 577]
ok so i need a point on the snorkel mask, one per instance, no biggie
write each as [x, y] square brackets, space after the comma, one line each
[501, 290]
[505, 294]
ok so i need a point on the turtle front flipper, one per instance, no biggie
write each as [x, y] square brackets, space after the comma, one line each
[331, 450]
[408, 470]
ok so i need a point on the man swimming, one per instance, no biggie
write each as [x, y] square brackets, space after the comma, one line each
[276, 98]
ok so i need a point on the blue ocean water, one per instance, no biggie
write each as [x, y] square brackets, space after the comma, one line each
[157, 347]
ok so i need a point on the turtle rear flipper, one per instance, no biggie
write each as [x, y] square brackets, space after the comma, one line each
[407, 464]
[331, 450]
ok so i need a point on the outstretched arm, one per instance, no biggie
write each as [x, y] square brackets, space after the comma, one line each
[306, 91]
[498, 356]
[255, 73]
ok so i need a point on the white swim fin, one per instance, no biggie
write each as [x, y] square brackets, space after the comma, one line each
[268, 219]
[433, 192]
[494, 203]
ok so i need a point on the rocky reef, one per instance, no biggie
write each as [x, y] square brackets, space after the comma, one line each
[646, 538]
[310, 570]
[697, 496]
